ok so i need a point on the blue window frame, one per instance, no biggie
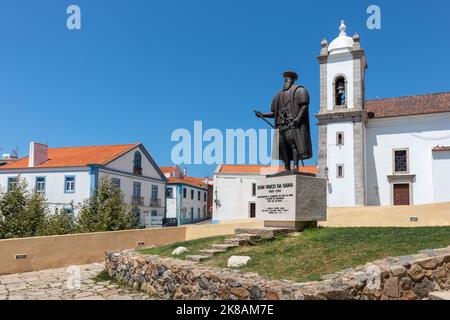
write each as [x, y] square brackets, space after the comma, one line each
[115, 182]
[40, 184]
[154, 194]
[69, 184]
[137, 163]
[11, 182]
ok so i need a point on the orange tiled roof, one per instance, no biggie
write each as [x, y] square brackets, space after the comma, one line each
[226, 168]
[168, 169]
[76, 156]
[196, 182]
[408, 106]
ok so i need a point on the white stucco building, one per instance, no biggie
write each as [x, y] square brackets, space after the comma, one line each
[392, 151]
[187, 197]
[68, 176]
[234, 195]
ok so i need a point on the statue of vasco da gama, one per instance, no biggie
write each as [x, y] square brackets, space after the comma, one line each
[290, 111]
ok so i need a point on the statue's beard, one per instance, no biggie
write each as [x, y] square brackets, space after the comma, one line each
[287, 86]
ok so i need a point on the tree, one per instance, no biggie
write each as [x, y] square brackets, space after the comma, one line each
[35, 215]
[106, 210]
[61, 222]
[13, 204]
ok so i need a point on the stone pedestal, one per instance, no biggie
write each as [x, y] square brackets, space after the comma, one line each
[291, 200]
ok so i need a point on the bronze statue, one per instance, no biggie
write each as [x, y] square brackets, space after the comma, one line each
[290, 111]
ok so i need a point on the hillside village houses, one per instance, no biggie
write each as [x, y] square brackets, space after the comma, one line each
[188, 198]
[381, 152]
[69, 175]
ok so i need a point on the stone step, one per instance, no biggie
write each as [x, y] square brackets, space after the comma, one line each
[237, 241]
[248, 236]
[439, 295]
[224, 246]
[266, 232]
[197, 258]
[211, 252]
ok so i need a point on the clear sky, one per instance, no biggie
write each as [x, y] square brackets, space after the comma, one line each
[139, 69]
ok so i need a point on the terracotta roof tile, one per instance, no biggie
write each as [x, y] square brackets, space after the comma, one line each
[196, 182]
[226, 168]
[76, 156]
[407, 106]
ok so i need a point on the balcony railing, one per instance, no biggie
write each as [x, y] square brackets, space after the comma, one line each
[137, 201]
[155, 203]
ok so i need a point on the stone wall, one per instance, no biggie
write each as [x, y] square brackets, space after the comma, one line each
[407, 278]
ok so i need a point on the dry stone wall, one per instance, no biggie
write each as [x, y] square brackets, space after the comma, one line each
[406, 278]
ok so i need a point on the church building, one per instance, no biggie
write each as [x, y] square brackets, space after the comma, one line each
[393, 151]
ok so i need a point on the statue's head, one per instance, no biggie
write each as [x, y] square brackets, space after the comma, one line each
[289, 78]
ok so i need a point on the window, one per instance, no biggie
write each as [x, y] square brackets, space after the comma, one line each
[340, 88]
[154, 213]
[198, 213]
[136, 189]
[192, 194]
[11, 182]
[401, 161]
[204, 196]
[154, 192]
[340, 171]
[253, 189]
[198, 195]
[169, 192]
[115, 182]
[69, 184]
[339, 138]
[184, 193]
[137, 163]
[40, 184]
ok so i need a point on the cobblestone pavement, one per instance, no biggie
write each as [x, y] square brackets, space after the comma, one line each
[63, 284]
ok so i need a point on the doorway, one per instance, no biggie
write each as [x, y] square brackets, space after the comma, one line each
[401, 194]
[252, 210]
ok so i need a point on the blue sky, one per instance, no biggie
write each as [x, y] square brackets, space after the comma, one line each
[139, 69]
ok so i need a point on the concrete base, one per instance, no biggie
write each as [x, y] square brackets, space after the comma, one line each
[291, 200]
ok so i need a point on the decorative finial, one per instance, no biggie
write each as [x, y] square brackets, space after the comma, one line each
[342, 28]
[356, 44]
[324, 45]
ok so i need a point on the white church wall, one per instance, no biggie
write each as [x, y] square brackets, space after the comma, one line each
[341, 191]
[441, 176]
[340, 65]
[419, 134]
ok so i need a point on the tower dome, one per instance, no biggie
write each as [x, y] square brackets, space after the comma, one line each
[342, 43]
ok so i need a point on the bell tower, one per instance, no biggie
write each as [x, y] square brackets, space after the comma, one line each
[342, 118]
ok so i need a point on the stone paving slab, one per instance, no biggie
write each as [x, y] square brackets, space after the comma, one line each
[63, 284]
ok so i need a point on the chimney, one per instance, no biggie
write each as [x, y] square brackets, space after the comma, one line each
[38, 154]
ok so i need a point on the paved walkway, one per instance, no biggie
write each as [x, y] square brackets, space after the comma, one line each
[73, 283]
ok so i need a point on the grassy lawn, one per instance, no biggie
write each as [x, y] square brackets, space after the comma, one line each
[317, 252]
[192, 245]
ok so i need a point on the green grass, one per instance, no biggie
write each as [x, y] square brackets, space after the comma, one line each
[317, 252]
[320, 251]
[192, 245]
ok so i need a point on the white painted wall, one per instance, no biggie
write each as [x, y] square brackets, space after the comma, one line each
[172, 202]
[195, 204]
[125, 163]
[340, 64]
[234, 191]
[441, 176]
[54, 186]
[419, 134]
[341, 191]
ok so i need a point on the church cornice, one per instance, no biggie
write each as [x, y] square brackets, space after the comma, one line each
[342, 116]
